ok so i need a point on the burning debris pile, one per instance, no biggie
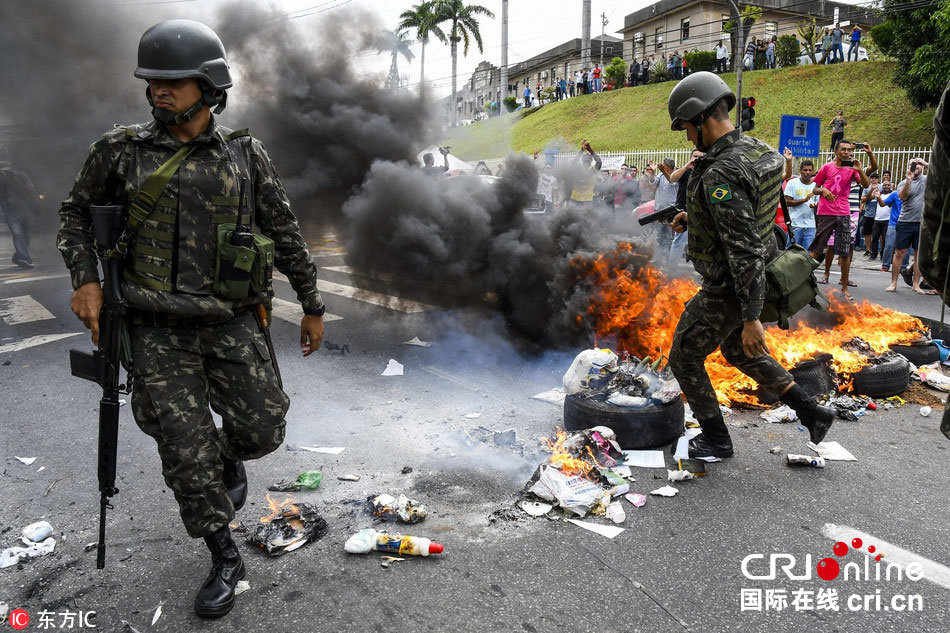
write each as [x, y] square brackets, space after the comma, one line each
[639, 309]
[289, 526]
[625, 381]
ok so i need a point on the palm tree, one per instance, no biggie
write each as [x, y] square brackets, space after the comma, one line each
[464, 28]
[423, 18]
[396, 44]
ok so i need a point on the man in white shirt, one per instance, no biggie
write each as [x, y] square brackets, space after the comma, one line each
[547, 187]
[722, 56]
[801, 205]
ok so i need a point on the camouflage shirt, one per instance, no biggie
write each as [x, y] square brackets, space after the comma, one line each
[732, 196]
[934, 255]
[117, 165]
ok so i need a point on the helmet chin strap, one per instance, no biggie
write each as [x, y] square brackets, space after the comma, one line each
[208, 98]
[698, 124]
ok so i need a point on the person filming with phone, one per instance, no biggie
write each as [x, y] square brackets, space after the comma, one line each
[832, 185]
[911, 192]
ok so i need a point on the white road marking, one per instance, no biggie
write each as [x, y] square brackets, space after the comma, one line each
[322, 253]
[33, 341]
[291, 312]
[23, 309]
[349, 270]
[932, 570]
[367, 296]
[20, 280]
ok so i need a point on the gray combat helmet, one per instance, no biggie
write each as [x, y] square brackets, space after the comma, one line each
[185, 49]
[179, 49]
[695, 95]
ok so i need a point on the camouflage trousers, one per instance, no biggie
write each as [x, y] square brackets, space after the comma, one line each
[711, 321]
[181, 374]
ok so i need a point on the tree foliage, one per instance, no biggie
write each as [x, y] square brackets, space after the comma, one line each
[749, 15]
[786, 51]
[616, 72]
[810, 33]
[511, 104]
[919, 39]
[422, 19]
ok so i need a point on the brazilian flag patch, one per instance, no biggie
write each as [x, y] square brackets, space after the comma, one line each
[719, 193]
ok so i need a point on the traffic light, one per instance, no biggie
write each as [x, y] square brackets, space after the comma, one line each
[748, 113]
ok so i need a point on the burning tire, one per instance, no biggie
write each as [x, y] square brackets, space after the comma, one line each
[884, 380]
[815, 376]
[918, 354]
[636, 428]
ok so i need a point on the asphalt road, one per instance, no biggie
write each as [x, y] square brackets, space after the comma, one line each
[677, 565]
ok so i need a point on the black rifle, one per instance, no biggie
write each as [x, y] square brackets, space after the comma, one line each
[102, 365]
[664, 215]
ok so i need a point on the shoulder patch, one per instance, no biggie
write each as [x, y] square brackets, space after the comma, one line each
[719, 193]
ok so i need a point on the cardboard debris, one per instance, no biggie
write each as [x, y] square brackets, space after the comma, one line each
[610, 531]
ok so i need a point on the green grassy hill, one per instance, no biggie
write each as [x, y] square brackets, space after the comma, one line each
[636, 118]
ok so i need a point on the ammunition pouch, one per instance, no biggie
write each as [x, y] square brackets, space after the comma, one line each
[790, 286]
[242, 272]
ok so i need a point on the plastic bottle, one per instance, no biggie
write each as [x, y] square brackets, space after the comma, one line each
[368, 540]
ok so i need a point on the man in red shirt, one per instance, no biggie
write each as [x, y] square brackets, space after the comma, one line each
[833, 184]
[597, 79]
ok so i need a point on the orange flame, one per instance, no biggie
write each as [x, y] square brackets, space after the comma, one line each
[640, 308]
[567, 463]
[285, 508]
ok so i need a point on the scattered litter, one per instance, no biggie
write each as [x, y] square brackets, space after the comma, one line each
[536, 508]
[574, 493]
[833, 451]
[637, 499]
[349, 477]
[623, 470]
[158, 614]
[615, 512]
[925, 411]
[780, 415]
[665, 491]
[619, 485]
[41, 469]
[506, 438]
[307, 480]
[4, 609]
[406, 470]
[554, 396]
[621, 400]
[682, 449]
[394, 368]
[805, 460]
[386, 561]
[775, 450]
[710, 460]
[415, 341]
[327, 450]
[933, 377]
[27, 460]
[645, 459]
[610, 531]
[37, 532]
[12, 555]
[288, 527]
[402, 508]
[333, 347]
[849, 407]
[129, 626]
[590, 368]
[689, 418]
[368, 540]
[695, 466]
[679, 475]
[90, 546]
[472, 416]
[242, 586]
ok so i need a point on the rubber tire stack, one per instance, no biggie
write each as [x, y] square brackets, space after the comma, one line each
[883, 381]
[918, 354]
[636, 427]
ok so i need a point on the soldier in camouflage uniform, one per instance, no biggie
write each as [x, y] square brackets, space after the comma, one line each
[934, 251]
[192, 349]
[732, 196]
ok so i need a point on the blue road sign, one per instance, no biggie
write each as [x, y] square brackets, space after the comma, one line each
[800, 134]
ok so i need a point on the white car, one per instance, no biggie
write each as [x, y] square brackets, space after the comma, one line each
[805, 60]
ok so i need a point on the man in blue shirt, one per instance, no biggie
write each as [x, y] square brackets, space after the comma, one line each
[855, 41]
[869, 202]
[891, 199]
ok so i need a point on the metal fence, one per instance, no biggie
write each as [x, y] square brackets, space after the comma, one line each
[893, 159]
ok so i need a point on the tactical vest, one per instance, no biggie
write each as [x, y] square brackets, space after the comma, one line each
[175, 248]
[764, 167]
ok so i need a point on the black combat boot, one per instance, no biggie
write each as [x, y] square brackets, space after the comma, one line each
[216, 596]
[714, 441]
[235, 480]
[815, 418]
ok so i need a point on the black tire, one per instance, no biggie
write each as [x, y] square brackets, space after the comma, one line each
[815, 376]
[636, 428]
[918, 354]
[938, 330]
[883, 381]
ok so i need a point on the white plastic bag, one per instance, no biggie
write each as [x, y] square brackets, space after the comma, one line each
[587, 364]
